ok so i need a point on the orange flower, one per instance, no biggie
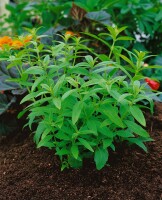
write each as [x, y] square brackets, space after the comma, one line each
[70, 33]
[27, 38]
[17, 44]
[5, 41]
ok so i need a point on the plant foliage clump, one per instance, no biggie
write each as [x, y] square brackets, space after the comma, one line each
[83, 103]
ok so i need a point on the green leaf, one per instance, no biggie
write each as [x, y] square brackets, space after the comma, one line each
[62, 136]
[35, 70]
[106, 131]
[86, 144]
[92, 125]
[46, 142]
[75, 163]
[76, 111]
[29, 97]
[72, 82]
[57, 102]
[125, 38]
[59, 84]
[37, 82]
[100, 157]
[112, 113]
[89, 60]
[127, 60]
[99, 16]
[138, 142]
[40, 129]
[75, 151]
[107, 143]
[124, 133]
[68, 93]
[46, 60]
[136, 128]
[62, 151]
[138, 115]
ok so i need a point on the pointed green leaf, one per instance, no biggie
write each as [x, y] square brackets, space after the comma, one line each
[139, 143]
[75, 151]
[107, 143]
[76, 111]
[138, 115]
[46, 142]
[68, 93]
[57, 102]
[124, 133]
[136, 128]
[59, 84]
[100, 157]
[127, 60]
[29, 97]
[112, 114]
[86, 144]
[35, 70]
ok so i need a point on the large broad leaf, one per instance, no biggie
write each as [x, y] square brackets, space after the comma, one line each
[100, 157]
[99, 16]
[5, 75]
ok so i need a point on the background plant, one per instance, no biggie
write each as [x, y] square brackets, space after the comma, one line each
[83, 103]
[143, 19]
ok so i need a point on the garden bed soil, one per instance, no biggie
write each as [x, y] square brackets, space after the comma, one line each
[27, 173]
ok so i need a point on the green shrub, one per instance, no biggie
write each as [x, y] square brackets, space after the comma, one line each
[83, 103]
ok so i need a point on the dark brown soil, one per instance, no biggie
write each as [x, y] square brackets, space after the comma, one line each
[28, 173]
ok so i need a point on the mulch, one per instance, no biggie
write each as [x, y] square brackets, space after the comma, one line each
[27, 173]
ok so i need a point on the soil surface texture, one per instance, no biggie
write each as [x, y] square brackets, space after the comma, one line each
[27, 173]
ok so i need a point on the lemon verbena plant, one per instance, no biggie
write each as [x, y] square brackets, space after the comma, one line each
[82, 102]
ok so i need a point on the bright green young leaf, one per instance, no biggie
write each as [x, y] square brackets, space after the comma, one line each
[125, 38]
